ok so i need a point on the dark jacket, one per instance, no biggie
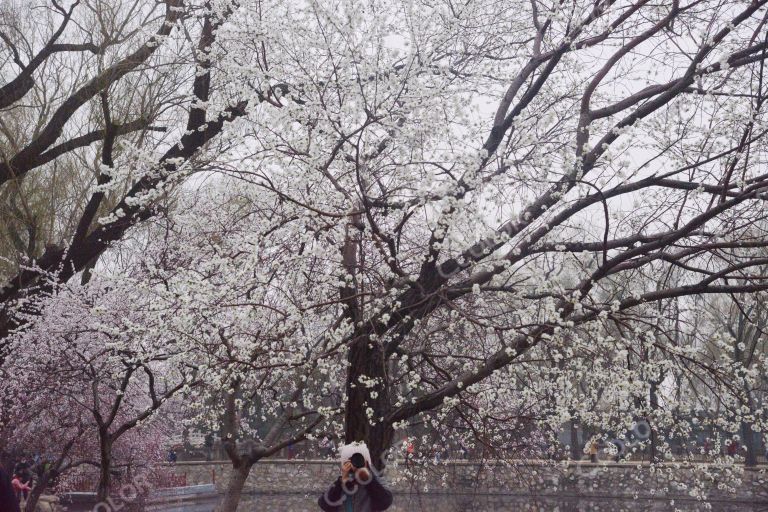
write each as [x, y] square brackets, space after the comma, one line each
[373, 497]
[8, 501]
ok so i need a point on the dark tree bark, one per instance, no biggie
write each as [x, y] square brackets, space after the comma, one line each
[748, 437]
[37, 492]
[367, 363]
[654, 405]
[234, 488]
[105, 470]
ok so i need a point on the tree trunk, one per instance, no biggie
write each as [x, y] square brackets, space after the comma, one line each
[35, 493]
[654, 402]
[105, 475]
[367, 377]
[748, 437]
[234, 490]
[368, 363]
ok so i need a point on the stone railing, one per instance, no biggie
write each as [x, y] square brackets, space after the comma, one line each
[463, 486]
[529, 478]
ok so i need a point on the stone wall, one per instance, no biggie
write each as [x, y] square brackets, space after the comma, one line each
[534, 485]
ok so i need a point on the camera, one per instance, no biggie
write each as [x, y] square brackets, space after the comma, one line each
[358, 460]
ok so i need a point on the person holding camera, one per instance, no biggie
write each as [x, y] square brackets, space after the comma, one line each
[358, 489]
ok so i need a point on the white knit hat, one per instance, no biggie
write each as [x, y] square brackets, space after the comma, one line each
[346, 451]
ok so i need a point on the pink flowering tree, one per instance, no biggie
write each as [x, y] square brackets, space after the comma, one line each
[113, 370]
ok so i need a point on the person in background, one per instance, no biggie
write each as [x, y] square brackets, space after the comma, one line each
[437, 453]
[464, 449]
[291, 451]
[208, 442]
[8, 500]
[22, 470]
[21, 488]
[591, 449]
[358, 489]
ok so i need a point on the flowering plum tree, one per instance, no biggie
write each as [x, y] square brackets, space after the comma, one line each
[451, 214]
[251, 302]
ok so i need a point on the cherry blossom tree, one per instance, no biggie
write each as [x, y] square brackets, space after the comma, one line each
[49, 426]
[97, 351]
